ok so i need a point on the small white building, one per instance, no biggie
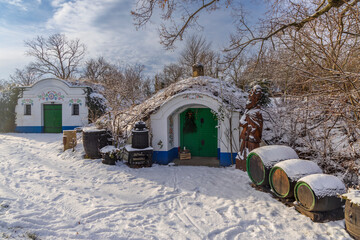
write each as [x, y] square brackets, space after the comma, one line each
[51, 106]
[201, 114]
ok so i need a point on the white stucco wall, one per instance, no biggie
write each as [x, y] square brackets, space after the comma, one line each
[51, 91]
[160, 122]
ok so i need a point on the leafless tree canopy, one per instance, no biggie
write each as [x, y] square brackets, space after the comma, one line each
[198, 50]
[96, 70]
[283, 15]
[24, 77]
[187, 10]
[55, 55]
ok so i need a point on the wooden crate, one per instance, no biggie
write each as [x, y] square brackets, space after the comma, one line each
[185, 156]
[69, 139]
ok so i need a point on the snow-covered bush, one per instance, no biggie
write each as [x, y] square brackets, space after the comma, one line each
[324, 137]
[96, 104]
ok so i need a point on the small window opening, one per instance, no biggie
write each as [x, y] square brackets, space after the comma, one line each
[27, 109]
[75, 109]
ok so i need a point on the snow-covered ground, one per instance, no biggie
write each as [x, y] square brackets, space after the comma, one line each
[50, 194]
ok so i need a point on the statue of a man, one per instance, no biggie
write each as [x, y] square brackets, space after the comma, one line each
[251, 123]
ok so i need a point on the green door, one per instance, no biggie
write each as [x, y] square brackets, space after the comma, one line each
[198, 132]
[52, 118]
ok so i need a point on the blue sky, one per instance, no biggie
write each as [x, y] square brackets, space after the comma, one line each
[105, 26]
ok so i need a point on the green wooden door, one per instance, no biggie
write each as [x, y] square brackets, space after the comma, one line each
[201, 142]
[52, 118]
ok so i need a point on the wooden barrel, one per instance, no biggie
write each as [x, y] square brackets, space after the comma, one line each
[94, 140]
[284, 175]
[319, 192]
[352, 218]
[260, 160]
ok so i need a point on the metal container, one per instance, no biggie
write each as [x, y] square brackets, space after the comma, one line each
[140, 136]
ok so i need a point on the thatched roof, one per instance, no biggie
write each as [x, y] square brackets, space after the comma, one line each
[232, 97]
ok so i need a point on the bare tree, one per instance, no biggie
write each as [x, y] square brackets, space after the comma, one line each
[96, 70]
[170, 74]
[125, 86]
[55, 55]
[24, 77]
[179, 16]
[198, 50]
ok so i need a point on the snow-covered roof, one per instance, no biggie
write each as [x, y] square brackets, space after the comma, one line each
[298, 168]
[324, 185]
[273, 154]
[74, 84]
[231, 96]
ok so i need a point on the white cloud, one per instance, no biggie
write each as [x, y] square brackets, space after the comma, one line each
[106, 27]
[18, 3]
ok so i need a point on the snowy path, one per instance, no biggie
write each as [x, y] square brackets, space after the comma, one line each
[60, 195]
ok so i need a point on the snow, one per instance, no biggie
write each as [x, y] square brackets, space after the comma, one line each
[109, 149]
[231, 96]
[298, 168]
[97, 95]
[353, 196]
[273, 154]
[92, 129]
[60, 195]
[130, 149]
[324, 185]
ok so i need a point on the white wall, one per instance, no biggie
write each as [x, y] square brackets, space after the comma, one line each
[33, 95]
[173, 107]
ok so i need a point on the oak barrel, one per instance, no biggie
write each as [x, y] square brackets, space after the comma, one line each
[284, 175]
[260, 161]
[319, 192]
[352, 212]
[352, 219]
[94, 140]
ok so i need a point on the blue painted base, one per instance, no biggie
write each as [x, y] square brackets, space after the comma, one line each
[165, 157]
[29, 129]
[38, 129]
[225, 159]
[69, 127]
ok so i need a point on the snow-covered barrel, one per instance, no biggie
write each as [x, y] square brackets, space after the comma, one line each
[352, 213]
[284, 175]
[260, 160]
[93, 140]
[319, 192]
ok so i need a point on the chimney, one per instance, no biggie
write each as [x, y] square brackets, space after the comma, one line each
[198, 70]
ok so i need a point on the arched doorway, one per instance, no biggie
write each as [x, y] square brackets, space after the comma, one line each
[198, 132]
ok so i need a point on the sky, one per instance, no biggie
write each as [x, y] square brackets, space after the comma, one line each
[104, 26]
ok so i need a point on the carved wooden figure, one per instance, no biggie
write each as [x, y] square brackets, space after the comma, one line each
[252, 125]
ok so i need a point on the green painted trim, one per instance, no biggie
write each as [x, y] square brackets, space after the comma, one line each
[248, 168]
[271, 183]
[312, 193]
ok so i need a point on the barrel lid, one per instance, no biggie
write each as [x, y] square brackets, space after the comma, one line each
[298, 168]
[273, 154]
[324, 184]
[93, 129]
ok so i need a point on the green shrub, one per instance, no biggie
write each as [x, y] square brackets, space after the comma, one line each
[8, 101]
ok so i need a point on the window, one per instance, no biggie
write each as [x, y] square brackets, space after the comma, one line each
[75, 109]
[27, 109]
